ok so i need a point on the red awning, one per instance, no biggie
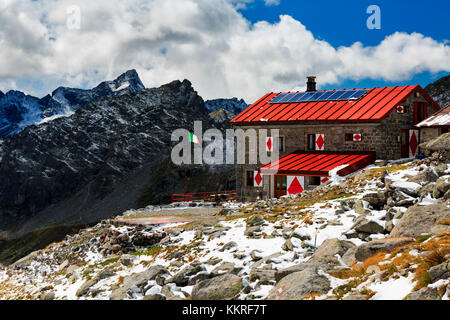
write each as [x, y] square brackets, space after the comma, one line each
[313, 163]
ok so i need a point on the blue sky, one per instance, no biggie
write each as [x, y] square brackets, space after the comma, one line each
[341, 23]
[224, 49]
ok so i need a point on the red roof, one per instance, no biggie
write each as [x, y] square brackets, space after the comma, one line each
[318, 163]
[374, 106]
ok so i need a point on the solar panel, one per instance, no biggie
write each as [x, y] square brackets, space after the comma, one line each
[358, 94]
[319, 96]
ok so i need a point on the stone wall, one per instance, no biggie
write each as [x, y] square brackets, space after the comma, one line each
[428, 134]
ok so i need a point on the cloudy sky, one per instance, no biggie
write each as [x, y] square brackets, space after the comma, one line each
[226, 48]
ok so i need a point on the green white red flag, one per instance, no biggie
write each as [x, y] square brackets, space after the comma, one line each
[193, 138]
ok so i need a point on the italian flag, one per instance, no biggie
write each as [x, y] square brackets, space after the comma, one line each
[193, 138]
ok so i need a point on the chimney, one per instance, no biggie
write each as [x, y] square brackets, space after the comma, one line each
[311, 84]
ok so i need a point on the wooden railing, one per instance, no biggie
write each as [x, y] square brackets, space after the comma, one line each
[205, 196]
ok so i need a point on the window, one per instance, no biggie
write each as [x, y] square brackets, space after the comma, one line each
[281, 144]
[311, 142]
[281, 182]
[314, 181]
[349, 137]
[420, 112]
[250, 178]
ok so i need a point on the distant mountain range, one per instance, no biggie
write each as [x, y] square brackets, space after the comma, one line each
[18, 110]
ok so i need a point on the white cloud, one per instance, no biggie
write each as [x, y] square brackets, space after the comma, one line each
[272, 2]
[205, 41]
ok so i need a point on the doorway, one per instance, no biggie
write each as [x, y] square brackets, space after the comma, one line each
[280, 185]
[404, 142]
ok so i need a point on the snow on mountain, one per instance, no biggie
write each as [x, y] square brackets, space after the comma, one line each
[18, 110]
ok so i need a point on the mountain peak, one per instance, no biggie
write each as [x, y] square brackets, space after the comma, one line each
[130, 80]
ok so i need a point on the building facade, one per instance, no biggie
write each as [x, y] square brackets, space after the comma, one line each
[378, 124]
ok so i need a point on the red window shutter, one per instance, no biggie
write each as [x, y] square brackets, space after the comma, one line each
[425, 110]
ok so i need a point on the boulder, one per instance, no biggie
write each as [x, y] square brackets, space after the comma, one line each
[154, 297]
[367, 226]
[324, 257]
[85, 287]
[376, 199]
[368, 249]
[181, 278]
[226, 267]
[252, 231]
[418, 220]
[138, 280]
[446, 195]
[441, 169]
[223, 287]
[349, 256]
[287, 245]
[360, 208]
[427, 175]
[265, 276]
[265, 260]
[255, 221]
[410, 188]
[127, 259]
[228, 246]
[425, 293]
[426, 189]
[47, 296]
[441, 271]
[442, 186]
[298, 285]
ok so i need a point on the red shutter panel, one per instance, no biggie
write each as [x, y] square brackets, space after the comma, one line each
[425, 110]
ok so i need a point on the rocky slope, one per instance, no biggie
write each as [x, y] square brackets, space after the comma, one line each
[381, 233]
[109, 156]
[18, 110]
[440, 91]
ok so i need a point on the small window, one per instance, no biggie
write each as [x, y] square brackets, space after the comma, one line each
[311, 142]
[314, 181]
[420, 112]
[281, 144]
[349, 137]
[250, 178]
[280, 182]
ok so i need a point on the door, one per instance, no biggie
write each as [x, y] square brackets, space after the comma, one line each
[280, 185]
[404, 142]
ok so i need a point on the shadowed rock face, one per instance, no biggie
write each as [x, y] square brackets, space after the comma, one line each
[95, 163]
[440, 91]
